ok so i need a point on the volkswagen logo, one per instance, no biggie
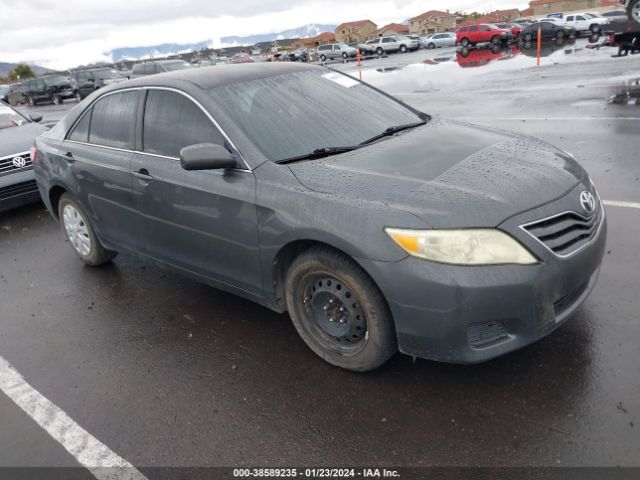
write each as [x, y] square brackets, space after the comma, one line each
[588, 201]
[19, 162]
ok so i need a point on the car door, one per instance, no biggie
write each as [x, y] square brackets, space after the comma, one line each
[581, 23]
[205, 221]
[40, 90]
[84, 85]
[98, 150]
[474, 36]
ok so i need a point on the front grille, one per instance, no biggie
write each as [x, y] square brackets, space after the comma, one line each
[14, 163]
[18, 189]
[566, 233]
[485, 334]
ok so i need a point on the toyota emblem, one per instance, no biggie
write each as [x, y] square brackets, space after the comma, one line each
[588, 201]
[19, 162]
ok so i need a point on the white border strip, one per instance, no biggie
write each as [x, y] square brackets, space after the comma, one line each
[103, 463]
[614, 203]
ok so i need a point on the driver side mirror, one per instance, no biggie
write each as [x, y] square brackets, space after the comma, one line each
[206, 156]
[35, 118]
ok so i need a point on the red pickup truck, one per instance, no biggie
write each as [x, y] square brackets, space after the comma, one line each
[483, 32]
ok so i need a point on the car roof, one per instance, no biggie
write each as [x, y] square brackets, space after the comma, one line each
[225, 75]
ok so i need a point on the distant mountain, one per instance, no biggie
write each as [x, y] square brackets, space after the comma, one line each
[139, 53]
[306, 31]
[166, 49]
[5, 68]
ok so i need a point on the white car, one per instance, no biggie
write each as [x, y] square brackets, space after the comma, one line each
[447, 39]
[582, 22]
[397, 43]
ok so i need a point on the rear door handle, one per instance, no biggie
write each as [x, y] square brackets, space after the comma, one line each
[143, 174]
[69, 156]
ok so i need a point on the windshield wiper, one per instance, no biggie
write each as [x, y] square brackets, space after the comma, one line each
[393, 130]
[320, 153]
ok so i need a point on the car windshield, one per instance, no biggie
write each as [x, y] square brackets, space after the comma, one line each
[294, 114]
[105, 74]
[10, 118]
[170, 67]
[55, 80]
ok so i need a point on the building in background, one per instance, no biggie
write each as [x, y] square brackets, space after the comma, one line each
[432, 21]
[393, 29]
[356, 32]
[313, 42]
[544, 7]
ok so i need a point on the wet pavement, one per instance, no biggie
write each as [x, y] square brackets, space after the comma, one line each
[166, 371]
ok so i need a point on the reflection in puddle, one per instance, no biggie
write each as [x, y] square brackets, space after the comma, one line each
[629, 94]
[457, 67]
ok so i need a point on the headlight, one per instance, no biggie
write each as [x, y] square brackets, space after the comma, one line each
[485, 246]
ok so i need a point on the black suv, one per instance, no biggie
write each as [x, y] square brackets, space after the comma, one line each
[51, 88]
[90, 80]
[160, 66]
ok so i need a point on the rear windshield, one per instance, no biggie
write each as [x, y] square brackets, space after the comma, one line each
[170, 67]
[294, 114]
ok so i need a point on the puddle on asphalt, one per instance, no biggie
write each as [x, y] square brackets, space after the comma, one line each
[628, 94]
[453, 68]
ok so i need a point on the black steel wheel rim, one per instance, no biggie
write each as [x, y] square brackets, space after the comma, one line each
[334, 313]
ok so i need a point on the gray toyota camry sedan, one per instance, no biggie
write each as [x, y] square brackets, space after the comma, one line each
[377, 227]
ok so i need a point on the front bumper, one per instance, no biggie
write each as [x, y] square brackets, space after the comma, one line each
[464, 314]
[18, 189]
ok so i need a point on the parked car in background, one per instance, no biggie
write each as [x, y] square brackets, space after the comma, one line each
[4, 93]
[514, 27]
[88, 81]
[406, 238]
[548, 30]
[583, 22]
[16, 95]
[53, 88]
[213, 61]
[332, 51]
[447, 39]
[17, 135]
[390, 44]
[160, 66]
[482, 33]
[241, 57]
[614, 16]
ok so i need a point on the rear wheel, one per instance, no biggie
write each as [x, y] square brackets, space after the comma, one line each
[339, 311]
[77, 96]
[323, 57]
[32, 101]
[559, 34]
[379, 51]
[403, 48]
[528, 37]
[595, 28]
[56, 99]
[80, 233]
[496, 40]
[432, 46]
[344, 55]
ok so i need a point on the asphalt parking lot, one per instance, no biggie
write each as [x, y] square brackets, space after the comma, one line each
[169, 372]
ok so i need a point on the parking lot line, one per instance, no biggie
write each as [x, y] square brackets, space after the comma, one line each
[614, 203]
[86, 449]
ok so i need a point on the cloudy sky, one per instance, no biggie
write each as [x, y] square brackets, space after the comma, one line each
[64, 34]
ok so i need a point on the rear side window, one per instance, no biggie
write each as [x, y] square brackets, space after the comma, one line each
[474, 28]
[172, 122]
[113, 120]
[150, 69]
[80, 132]
[464, 29]
[138, 69]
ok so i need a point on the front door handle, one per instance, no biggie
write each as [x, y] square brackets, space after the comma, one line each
[143, 174]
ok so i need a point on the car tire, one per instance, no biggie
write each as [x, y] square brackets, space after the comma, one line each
[56, 99]
[595, 28]
[345, 55]
[633, 11]
[31, 101]
[465, 42]
[431, 46]
[80, 233]
[528, 37]
[495, 40]
[323, 58]
[559, 35]
[403, 49]
[77, 96]
[339, 311]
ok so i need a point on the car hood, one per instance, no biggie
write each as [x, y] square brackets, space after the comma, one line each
[18, 139]
[449, 174]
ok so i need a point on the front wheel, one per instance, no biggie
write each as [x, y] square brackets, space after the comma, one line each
[56, 99]
[594, 28]
[77, 96]
[323, 57]
[560, 35]
[31, 101]
[379, 51]
[495, 40]
[345, 55]
[465, 42]
[633, 11]
[80, 233]
[432, 46]
[528, 37]
[339, 311]
[403, 48]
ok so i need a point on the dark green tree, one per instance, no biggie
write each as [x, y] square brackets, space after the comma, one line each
[21, 71]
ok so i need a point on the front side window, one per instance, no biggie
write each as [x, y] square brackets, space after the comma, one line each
[293, 114]
[113, 120]
[172, 122]
[80, 132]
[473, 29]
